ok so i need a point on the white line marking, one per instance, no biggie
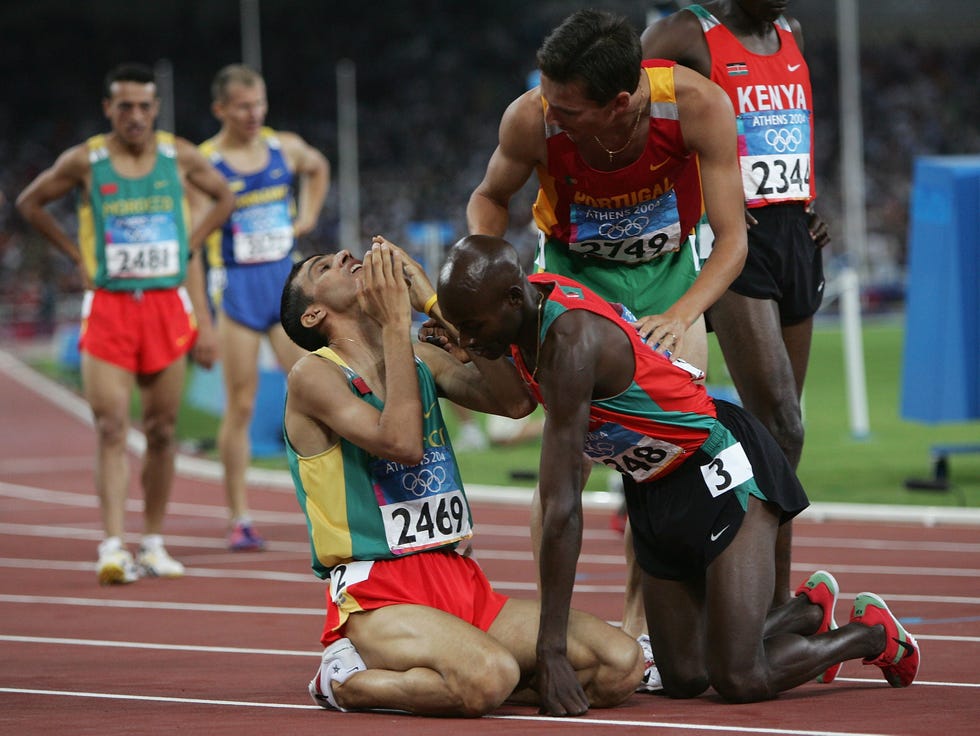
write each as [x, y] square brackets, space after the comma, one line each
[284, 611]
[158, 605]
[147, 645]
[154, 698]
[580, 721]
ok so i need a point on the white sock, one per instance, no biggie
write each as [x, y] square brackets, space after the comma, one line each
[110, 544]
[151, 542]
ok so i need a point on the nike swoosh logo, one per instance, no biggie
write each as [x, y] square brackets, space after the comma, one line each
[715, 535]
[654, 167]
[793, 67]
[907, 646]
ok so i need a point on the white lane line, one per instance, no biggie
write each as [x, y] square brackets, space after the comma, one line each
[579, 721]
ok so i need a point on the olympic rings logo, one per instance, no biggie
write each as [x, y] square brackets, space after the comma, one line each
[425, 481]
[599, 448]
[624, 228]
[784, 140]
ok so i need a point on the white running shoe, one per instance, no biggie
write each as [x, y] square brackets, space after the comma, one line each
[156, 563]
[340, 660]
[650, 683]
[116, 566]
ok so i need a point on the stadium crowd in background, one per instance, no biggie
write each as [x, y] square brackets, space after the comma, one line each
[425, 166]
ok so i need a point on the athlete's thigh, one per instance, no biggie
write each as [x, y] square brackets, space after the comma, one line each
[738, 589]
[589, 637]
[107, 387]
[403, 636]
[798, 338]
[160, 395]
[675, 619]
[238, 348]
[695, 347]
[750, 336]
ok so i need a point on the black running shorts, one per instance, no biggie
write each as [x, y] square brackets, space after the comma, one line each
[679, 527]
[783, 263]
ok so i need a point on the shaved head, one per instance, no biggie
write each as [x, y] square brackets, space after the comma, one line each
[479, 264]
[484, 292]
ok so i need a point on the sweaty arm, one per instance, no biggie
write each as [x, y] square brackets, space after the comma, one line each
[211, 203]
[566, 372]
[489, 386]
[200, 175]
[708, 125]
[320, 405]
[678, 37]
[521, 147]
[313, 171]
[70, 171]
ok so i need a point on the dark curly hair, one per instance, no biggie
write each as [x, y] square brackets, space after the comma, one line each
[594, 47]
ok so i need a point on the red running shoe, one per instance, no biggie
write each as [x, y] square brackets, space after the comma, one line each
[244, 538]
[821, 589]
[899, 662]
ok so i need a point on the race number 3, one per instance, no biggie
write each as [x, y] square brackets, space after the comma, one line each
[728, 469]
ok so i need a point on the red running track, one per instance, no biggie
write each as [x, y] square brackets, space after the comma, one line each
[230, 647]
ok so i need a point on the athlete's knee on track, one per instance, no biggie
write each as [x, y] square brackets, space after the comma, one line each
[683, 680]
[741, 685]
[483, 682]
[620, 670]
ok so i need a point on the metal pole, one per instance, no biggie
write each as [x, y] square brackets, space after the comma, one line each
[857, 392]
[852, 138]
[251, 36]
[163, 71]
[852, 186]
[349, 184]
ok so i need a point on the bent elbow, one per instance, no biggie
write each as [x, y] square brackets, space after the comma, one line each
[405, 452]
[521, 409]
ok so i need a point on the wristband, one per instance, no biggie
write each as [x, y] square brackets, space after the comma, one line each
[429, 303]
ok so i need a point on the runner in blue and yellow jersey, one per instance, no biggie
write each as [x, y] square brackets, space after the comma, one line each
[138, 322]
[411, 624]
[280, 183]
[706, 485]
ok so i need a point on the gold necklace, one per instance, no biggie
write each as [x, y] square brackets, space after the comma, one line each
[636, 124]
[537, 347]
